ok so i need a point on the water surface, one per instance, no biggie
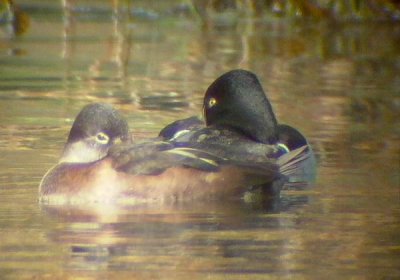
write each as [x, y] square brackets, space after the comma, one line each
[338, 84]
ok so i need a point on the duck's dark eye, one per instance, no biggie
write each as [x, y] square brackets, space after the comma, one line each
[211, 102]
[102, 138]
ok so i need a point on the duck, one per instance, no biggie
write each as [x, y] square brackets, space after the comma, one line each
[238, 117]
[100, 163]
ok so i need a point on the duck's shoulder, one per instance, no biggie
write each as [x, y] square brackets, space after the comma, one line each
[181, 129]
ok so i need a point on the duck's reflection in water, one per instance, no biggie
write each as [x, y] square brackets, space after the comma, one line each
[198, 236]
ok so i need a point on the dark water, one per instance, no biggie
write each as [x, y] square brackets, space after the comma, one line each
[340, 85]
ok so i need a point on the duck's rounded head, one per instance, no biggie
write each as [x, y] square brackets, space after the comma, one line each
[237, 100]
[96, 128]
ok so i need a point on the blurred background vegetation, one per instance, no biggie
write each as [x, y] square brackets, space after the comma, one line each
[16, 21]
[339, 10]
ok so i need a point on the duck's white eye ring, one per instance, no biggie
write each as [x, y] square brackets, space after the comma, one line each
[211, 102]
[102, 138]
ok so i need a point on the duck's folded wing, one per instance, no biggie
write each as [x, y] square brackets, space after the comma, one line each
[154, 157]
[123, 154]
[153, 162]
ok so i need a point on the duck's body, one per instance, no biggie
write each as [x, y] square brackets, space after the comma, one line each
[146, 172]
[100, 182]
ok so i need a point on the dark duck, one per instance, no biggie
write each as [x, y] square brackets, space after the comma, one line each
[238, 118]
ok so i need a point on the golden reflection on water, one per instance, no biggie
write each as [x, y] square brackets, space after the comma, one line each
[341, 91]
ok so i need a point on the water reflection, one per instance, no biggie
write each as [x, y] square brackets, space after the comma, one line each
[152, 236]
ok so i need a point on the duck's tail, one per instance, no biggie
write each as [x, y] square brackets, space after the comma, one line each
[294, 162]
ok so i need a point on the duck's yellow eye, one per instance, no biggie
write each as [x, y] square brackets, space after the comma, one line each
[102, 138]
[211, 102]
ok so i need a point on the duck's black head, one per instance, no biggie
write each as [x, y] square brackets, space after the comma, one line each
[96, 128]
[237, 100]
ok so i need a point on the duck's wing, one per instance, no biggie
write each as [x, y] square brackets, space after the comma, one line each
[153, 158]
[158, 161]
[124, 155]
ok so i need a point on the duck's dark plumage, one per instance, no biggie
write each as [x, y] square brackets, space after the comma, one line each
[290, 137]
[237, 100]
[238, 119]
[177, 129]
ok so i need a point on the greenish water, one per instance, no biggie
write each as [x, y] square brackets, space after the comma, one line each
[338, 84]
